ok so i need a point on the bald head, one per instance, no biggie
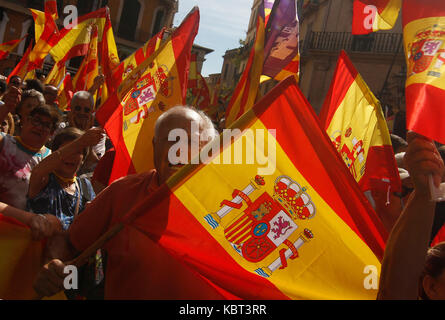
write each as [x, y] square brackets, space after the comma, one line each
[187, 125]
[184, 113]
[50, 93]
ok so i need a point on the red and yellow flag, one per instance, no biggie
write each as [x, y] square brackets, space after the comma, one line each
[193, 73]
[7, 47]
[89, 69]
[74, 42]
[48, 37]
[354, 120]
[299, 228]
[158, 83]
[66, 92]
[56, 75]
[20, 260]
[130, 63]
[374, 15]
[198, 89]
[40, 19]
[268, 5]
[21, 69]
[247, 88]
[424, 38]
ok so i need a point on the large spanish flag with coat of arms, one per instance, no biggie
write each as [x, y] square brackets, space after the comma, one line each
[424, 38]
[155, 85]
[293, 224]
[354, 120]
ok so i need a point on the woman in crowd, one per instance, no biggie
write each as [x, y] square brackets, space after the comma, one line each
[54, 187]
[30, 100]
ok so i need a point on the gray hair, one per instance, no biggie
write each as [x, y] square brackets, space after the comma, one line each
[83, 95]
[208, 122]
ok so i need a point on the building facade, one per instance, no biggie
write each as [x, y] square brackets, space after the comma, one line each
[379, 57]
[325, 30]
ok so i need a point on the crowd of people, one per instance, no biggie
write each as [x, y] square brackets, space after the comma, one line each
[54, 177]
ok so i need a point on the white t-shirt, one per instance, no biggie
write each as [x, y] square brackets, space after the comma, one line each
[16, 164]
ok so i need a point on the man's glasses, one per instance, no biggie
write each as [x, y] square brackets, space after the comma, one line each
[37, 122]
[79, 109]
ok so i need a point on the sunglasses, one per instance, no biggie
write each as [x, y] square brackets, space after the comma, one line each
[79, 109]
[37, 122]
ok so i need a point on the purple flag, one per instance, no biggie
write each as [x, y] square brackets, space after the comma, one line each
[281, 37]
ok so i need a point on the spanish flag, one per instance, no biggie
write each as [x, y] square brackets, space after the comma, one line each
[40, 18]
[293, 224]
[45, 42]
[20, 260]
[198, 91]
[74, 42]
[21, 69]
[247, 88]
[374, 15]
[268, 5]
[125, 68]
[424, 38]
[89, 69]
[8, 47]
[56, 75]
[66, 92]
[193, 73]
[158, 83]
[354, 120]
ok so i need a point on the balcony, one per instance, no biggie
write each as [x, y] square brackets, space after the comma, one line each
[382, 43]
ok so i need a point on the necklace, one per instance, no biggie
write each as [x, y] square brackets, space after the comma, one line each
[26, 145]
[66, 180]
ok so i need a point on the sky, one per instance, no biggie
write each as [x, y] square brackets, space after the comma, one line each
[222, 24]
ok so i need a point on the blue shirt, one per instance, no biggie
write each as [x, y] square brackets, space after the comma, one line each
[53, 199]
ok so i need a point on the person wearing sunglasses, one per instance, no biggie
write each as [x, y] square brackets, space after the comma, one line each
[81, 116]
[20, 154]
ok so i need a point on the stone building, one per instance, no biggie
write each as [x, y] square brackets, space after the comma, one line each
[325, 30]
[379, 57]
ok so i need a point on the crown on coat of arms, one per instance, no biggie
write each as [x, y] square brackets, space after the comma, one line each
[293, 198]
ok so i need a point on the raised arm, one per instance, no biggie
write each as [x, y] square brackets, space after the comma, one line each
[40, 173]
[409, 240]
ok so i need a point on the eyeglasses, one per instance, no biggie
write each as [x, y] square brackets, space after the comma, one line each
[79, 109]
[37, 122]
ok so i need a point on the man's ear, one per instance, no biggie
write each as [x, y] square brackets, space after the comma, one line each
[429, 286]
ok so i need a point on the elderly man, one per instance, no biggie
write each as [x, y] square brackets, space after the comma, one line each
[81, 116]
[163, 276]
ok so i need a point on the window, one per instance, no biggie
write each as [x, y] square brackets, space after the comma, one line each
[129, 19]
[157, 26]
[84, 7]
[36, 4]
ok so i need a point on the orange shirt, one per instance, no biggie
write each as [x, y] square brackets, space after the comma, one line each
[137, 267]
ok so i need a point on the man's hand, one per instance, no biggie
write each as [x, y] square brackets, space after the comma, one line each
[50, 279]
[91, 137]
[12, 98]
[423, 160]
[99, 80]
